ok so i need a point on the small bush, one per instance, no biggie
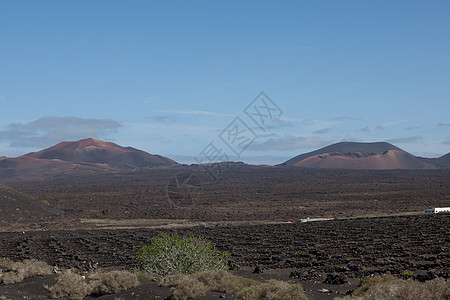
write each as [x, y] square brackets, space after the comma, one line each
[142, 275]
[70, 284]
[18, 271]
[114, 282]
[167, 254]
[218, 281]
[185, 286]
[373, 281]
[6, 262]
[435, 289]
[191, 286]
[273, 290]
[235, 284]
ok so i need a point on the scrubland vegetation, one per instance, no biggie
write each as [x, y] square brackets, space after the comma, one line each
[193, 267]
[389, 287]
[18, 271]
[77, 287]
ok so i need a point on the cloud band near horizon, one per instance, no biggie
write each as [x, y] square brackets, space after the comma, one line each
[47, 131]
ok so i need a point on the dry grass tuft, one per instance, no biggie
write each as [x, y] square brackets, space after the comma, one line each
[184, 286]
[18, 271]
[273, 290]
[191, 286]
[70, 284]
[435, 289]
[217, 281]
[114, 282]
[374, 281]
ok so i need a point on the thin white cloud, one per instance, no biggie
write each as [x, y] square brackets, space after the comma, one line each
[396, 122]
[413, 127]
[293, 119]
[47, 131]
[287, 143]
[278, 123]
[344, 138]
[194, 112]
[345, 118]
[363, 130]
[149, 100]
[163, 118]
[368, 129]
[447, 141]
[405, 140]
[323, 130]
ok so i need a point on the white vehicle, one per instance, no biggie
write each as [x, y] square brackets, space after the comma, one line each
[437, 210]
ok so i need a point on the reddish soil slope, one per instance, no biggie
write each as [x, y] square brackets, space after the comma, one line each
[369, 156]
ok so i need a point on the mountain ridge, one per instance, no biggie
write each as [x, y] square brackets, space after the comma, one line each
[91, 150]
[84, 157]
[356, 155]
[91, 156]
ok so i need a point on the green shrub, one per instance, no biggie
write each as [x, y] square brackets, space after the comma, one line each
[167, 254]
[114, 282]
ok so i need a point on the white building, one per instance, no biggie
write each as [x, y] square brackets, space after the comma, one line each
[437, 210]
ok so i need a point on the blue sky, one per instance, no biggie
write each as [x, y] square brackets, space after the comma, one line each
[169, 76]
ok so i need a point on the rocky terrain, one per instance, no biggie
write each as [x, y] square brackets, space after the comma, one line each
[335, 253]
[18, 207]
[244, 193]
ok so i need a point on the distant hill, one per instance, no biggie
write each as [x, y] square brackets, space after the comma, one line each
[98, 152]
[15, 206]
[84, 157]
[351, 155]
[442, 162]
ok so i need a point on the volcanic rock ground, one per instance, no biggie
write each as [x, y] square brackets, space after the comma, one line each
[244, 193]
[335, 252]
[245, 211]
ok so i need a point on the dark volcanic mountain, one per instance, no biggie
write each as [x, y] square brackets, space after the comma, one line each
[349, 155]
[84, 157]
